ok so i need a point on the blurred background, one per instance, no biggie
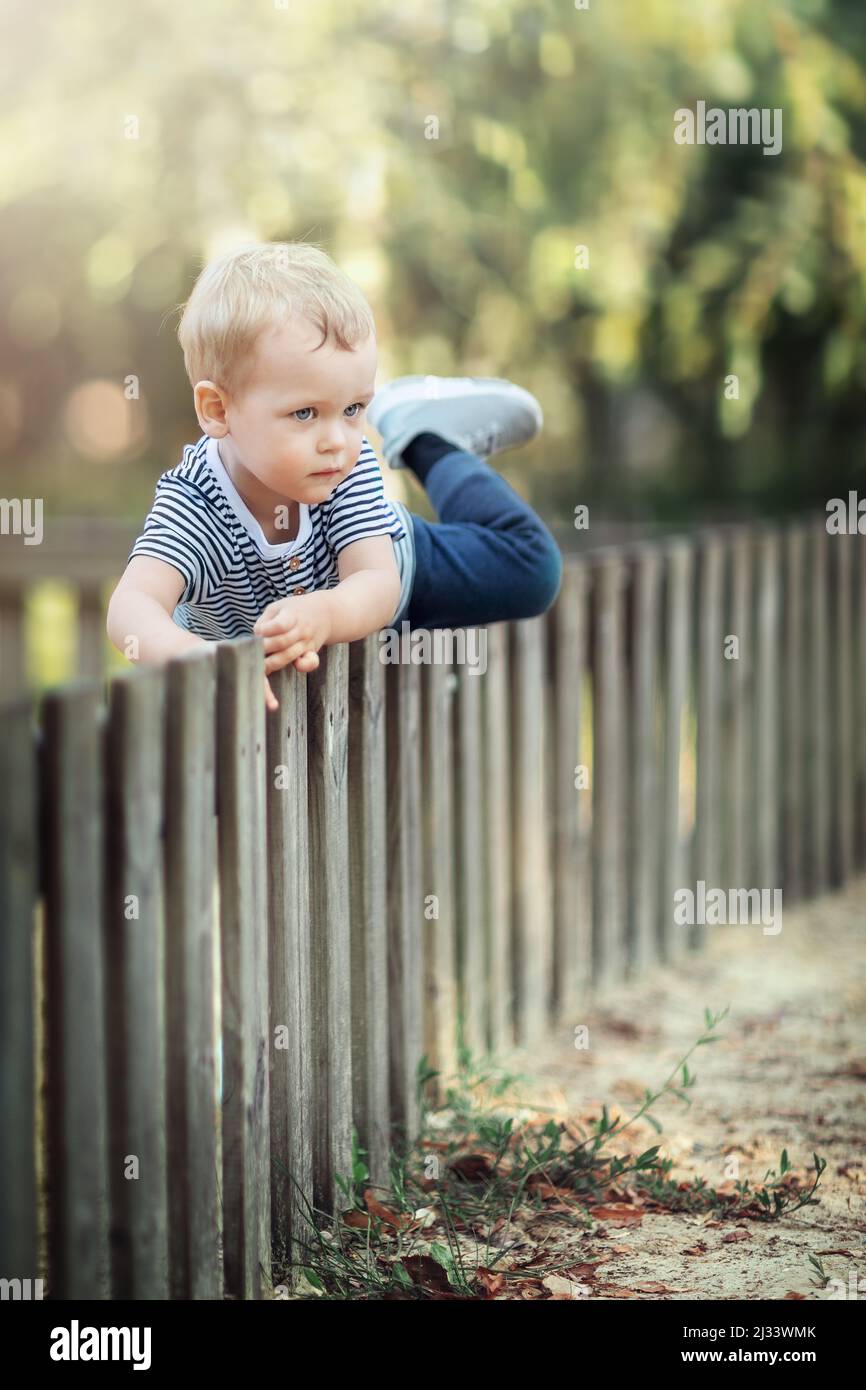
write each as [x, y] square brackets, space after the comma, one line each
[501, 179]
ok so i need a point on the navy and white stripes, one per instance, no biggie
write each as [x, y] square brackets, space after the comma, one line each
[199, 524]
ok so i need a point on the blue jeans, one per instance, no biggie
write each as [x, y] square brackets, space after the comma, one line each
[488, 559]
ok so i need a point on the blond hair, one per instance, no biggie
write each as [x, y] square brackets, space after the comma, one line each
[259, 285]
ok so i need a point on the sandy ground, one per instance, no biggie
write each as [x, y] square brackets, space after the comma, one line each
[789, 1073]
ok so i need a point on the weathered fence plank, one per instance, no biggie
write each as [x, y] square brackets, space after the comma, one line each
[328, 744]
[405, 896]
[572, 937]
[292, 1089]
[469, 840]
[707, 856]
[533, 937]
[794, 675]
[135, 960]
[498, 814]
[609, 735]
[19, 886]
[842, 827]
[437, 905]
[368, 900]
[768, 722]
[677, 591]
[195, 1214]
[73, 828]
[644, 843]
[244, 969]
[818, 706]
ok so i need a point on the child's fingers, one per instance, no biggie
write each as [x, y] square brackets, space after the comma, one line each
[270, 697]
[278, 641]
[277, 660]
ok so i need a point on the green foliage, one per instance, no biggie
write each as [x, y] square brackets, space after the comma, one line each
[452, 158]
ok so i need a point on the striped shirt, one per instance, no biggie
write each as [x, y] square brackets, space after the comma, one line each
[200, 524]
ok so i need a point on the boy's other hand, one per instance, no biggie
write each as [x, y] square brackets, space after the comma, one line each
[292, 628]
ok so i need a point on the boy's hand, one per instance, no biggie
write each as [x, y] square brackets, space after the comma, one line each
[294, 628]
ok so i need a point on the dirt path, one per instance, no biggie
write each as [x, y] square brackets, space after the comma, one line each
[789, 1073]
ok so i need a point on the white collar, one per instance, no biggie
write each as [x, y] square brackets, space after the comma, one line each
[266, 548]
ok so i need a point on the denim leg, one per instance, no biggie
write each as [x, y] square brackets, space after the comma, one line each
[489, 558]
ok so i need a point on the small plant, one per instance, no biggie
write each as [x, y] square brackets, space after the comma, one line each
[445, 1229]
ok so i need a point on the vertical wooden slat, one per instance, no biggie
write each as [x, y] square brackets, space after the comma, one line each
[792, 713]
[195, 1215]
[405, 897]
[609, 734]
[678, 583]
[860, 702]
[644, 842]
[739, 674]
[368, 898]
[818, 713]
[767, 702]
[135, 959]
[709, 634]
[328, 745]
[73, 788]
[842, 831]
[292, 1092]
[12, 639]
[244, 972]
[498, 814]
[532, 901]
[572, 939]
[19, 886]
[440, 954]
[469, 839]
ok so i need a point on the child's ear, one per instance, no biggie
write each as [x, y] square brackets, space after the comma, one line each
[210, 407]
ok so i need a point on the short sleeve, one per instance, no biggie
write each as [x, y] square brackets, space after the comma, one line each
[358, 507]
[179, 530]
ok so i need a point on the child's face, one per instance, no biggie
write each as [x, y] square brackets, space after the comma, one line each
[298, 424]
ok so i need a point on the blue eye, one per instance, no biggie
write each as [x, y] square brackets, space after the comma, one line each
[298, 413]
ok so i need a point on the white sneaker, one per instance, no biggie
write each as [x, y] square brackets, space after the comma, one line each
[483, 415]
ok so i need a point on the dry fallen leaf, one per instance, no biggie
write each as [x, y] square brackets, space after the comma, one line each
[735, 1235]
[618, 1214]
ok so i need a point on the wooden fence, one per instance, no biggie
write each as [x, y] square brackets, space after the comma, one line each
[406, 858]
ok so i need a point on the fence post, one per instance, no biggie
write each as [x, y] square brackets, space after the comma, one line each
[532, 923]
[572, 941]
[469, 835]
[292, 1088]
[135, 960]
[609, 734]
[437, 905]
[405, 896]
[75, 995]
[498, 754]
[244, 973]
[842, 828]
[328, 746]
[818, 793]
[368, 902]
[767, 701]
[644, 843]
[709, 656]
[679, 558]
[194, 1210]
[860, 705]
[740, 675]
[792, 710]
[19, 888]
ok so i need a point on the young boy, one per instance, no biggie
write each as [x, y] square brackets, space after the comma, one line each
[275, 522]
